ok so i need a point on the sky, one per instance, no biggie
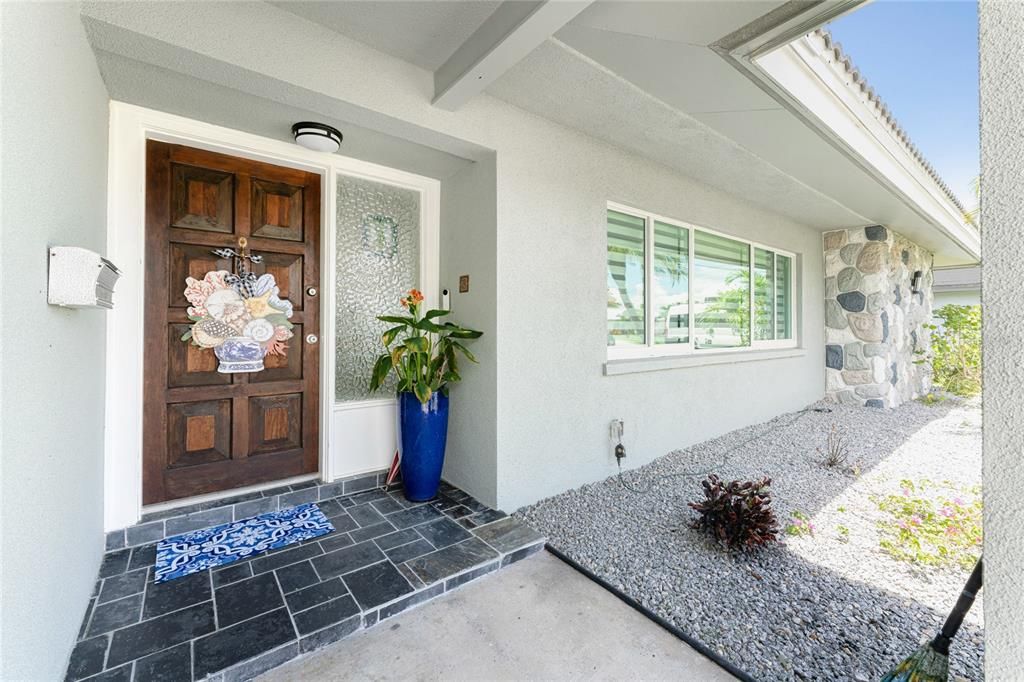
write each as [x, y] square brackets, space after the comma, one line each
[921, 58]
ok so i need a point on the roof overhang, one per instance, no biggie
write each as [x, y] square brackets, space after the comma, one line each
[797, 65]
[725, 122]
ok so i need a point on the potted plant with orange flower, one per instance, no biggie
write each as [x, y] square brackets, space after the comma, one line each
[424, 355]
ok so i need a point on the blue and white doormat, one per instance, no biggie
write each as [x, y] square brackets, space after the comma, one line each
[188, 553]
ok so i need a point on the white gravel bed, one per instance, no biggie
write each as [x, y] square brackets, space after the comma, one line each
[806, 608]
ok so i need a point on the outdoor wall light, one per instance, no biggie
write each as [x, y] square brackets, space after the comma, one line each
[319, 137]
[915, 282]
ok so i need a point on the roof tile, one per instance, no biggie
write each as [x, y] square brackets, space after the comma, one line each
[832, 52]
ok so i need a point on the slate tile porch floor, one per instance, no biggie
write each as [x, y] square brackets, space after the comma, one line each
[238, 620]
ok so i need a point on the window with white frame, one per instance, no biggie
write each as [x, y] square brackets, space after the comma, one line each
[674, 288]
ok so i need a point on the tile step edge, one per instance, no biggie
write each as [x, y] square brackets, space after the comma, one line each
[243, 670]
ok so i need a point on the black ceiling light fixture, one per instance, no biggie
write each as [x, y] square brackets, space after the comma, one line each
[319, 137]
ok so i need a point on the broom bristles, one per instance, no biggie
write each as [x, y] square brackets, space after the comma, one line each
[930, 663]
[925, 665]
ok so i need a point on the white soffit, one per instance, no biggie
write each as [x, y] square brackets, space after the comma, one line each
[703, 22]
[422, 33]
[798, 151]
[514, 30]
[560, 84]
[689, 77]
[467, 44]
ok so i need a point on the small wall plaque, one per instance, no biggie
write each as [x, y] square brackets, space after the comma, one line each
[463, 284]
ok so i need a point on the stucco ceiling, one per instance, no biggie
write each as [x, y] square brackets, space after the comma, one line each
[696, 22]
[136, 82]
[562, 85]
[632, 73]
[687, 76]
[423, 33]
[641, 75]
[638, 75]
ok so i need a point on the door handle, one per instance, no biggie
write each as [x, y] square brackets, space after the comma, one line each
[311, 338]
[311, 291]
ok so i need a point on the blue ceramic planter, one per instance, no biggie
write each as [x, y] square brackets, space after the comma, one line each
[424, 434]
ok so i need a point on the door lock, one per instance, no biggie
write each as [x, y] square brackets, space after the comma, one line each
[311, 338]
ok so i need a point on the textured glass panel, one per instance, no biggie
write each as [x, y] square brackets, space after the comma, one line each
[764, 286]
[377, 260]
[671, 284]
[721, 291]
[625, 279]
[783, 294]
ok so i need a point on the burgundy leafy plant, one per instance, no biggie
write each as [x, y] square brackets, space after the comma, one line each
[738, 514]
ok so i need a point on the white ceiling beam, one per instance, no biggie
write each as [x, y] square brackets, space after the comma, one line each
[508, 35]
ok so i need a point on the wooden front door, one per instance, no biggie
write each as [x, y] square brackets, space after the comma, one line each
[205, 431]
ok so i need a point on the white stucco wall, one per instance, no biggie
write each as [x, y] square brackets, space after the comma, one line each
[553, 404]
[54, 140]
[469, 246]
[1002, 214]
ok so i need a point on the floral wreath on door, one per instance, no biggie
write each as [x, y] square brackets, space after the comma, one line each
[241, 317]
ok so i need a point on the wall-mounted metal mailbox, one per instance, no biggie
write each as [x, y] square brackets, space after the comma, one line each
[80, 278]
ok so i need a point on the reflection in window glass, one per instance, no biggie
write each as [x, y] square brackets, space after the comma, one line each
[764, 286]
[721, 291]
[671, 284]
[625, 279]
[783, 295]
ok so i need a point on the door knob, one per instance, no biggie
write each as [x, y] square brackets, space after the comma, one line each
[311, 338]
[311, 291]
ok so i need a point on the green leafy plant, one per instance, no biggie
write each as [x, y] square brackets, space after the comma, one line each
[955, 354]
[932, 399]
[799, 525]
[931, 525]
[738, 514]
[844, 533]
[421, 352]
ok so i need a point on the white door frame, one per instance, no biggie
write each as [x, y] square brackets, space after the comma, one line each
[130, 127]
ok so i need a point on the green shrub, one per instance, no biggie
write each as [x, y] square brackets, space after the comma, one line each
[800, 525]
[932, 398]
[956, 349]
[932, 525]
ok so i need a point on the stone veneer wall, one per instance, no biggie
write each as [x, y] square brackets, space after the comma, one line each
[873, 322]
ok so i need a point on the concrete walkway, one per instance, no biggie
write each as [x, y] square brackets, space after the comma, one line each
[537, 619]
